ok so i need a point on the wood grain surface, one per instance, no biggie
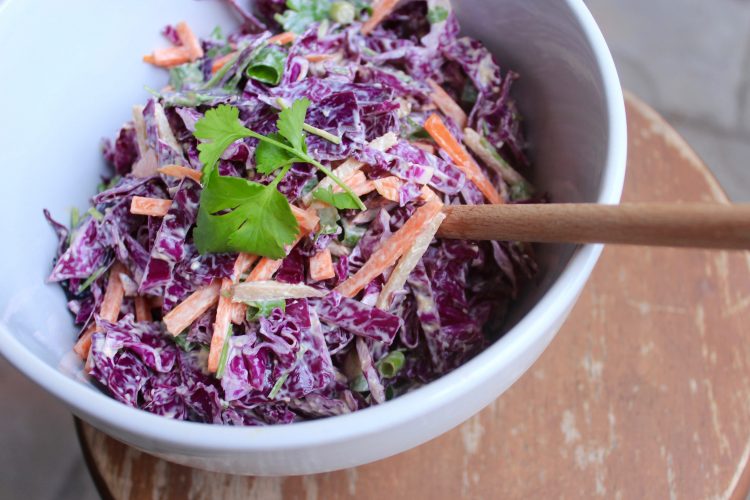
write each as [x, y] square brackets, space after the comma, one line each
[694, 225]
[644, 393]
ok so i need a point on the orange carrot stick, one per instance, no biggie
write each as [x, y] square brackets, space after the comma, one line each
[264, 271]
[225, 310]
[283, 38]
[358, 182]
[190, 309]
[169, 57]
[388, 187]
[221, 325]
[180, 172]
[142, 310]
[155, 207]
[442, 136]
[109, 310]
[113, 295]
[321, 266]
[447, 105]
[82, 346]
[316, 58]
[219, 62]
[391, 249]
[189, 41]
[380, 11]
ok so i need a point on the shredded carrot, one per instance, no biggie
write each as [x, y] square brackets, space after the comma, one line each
[442, 136]
[225, 310]
[446, 104]
[321, 266]
[380, 10]
[113, 295]
[169, 57]
[190, 309]
[155, 207]
[221, 325]
[82, 346]
[189, 41]
[264, 271]
[109, 310]
[180, 172]
[307, 219]
[388, 187]
[283, 38]
[409, 261]
[357, 182]
[316, 58]
[219, 62]
[351, 165]
[242, 265]
[391, 249]
[142, 310]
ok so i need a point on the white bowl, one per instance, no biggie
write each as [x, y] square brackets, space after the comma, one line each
[71, 72]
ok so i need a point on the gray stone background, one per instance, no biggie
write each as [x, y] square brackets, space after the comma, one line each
[689, 59]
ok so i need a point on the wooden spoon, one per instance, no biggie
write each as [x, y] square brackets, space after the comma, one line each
[697, 225]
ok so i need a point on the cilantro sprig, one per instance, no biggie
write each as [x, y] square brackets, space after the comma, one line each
[237, 215]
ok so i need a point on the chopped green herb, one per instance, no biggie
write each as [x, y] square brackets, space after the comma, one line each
[352, 233]
[95, 276]
[183, 343]
[329, 217]
[313, 130]
[390, 365]
[96, 214]
[268, 65]
[469, 94]
[300, 14]
[359, 384]
[280, 382]
[237, 215]
[217, 34]
[277, 386]
[224, 353]
[109, 185]
[185, 75]
[437, 14]
[75, 217]
[342, 12]
[218, 129]
[338, 200]
[254, 218]
[263, 308]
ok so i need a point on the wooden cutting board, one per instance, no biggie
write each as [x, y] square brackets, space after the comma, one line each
[644, 393]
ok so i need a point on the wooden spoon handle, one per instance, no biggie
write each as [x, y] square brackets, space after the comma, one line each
[698, 225]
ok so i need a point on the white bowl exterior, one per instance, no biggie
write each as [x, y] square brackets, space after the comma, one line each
[569, 90]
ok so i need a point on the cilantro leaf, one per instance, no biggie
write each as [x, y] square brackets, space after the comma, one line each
[338, 200]
[290, 123]
[269, 157]
[300, 14]
[238, 215]
[220, 127]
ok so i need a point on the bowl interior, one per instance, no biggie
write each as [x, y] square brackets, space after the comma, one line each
[90, 77]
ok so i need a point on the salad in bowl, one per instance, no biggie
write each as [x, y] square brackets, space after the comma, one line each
[264, 249]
